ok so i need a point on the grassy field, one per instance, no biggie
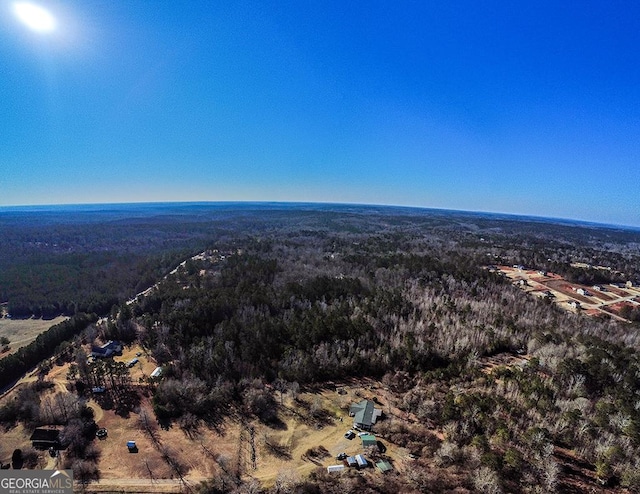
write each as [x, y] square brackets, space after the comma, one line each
[21, 332]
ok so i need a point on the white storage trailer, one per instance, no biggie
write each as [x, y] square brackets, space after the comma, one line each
[362, 461]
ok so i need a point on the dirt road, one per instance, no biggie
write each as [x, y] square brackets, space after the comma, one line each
[163, 486]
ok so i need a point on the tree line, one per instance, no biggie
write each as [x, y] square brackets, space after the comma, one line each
[14, 366]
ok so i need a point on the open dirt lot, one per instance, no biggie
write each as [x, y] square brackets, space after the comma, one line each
[145, 365]
[21, 332]
[603, 296]
[568, 289]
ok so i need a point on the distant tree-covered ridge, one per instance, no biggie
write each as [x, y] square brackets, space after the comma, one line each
[57, 284]
[72, 262]
[64, 260]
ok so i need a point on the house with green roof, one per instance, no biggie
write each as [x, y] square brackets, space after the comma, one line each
[364, 414]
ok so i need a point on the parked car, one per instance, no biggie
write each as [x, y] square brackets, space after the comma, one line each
[350, 434]
[341, 456]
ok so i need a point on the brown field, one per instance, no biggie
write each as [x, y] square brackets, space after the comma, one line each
[617, 291]
[21, 332]
[16, 438]
[602, 296]
[536, 290]
[540, 279]
[615, 308]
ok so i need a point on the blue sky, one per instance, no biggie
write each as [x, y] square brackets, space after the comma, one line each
[486, 106]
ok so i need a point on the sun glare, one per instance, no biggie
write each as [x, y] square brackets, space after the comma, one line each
[34, 17]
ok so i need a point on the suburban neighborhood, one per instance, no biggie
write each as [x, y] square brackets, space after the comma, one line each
[597, 300]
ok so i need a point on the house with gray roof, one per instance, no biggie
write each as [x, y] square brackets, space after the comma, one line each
[109, 349]
[364, 414]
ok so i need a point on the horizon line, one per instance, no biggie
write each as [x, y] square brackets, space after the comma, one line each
[534, 217]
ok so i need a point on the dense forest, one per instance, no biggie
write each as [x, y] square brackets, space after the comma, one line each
[420, 314]
[68, 261]
[88, 258]
[303, 296]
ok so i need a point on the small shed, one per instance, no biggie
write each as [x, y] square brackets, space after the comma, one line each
[335, 468]
[384, 466]
[351, 461]
[368, 440]
[131, 445]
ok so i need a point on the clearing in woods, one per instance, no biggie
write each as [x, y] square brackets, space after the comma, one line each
[307, 434]
[249, 447]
